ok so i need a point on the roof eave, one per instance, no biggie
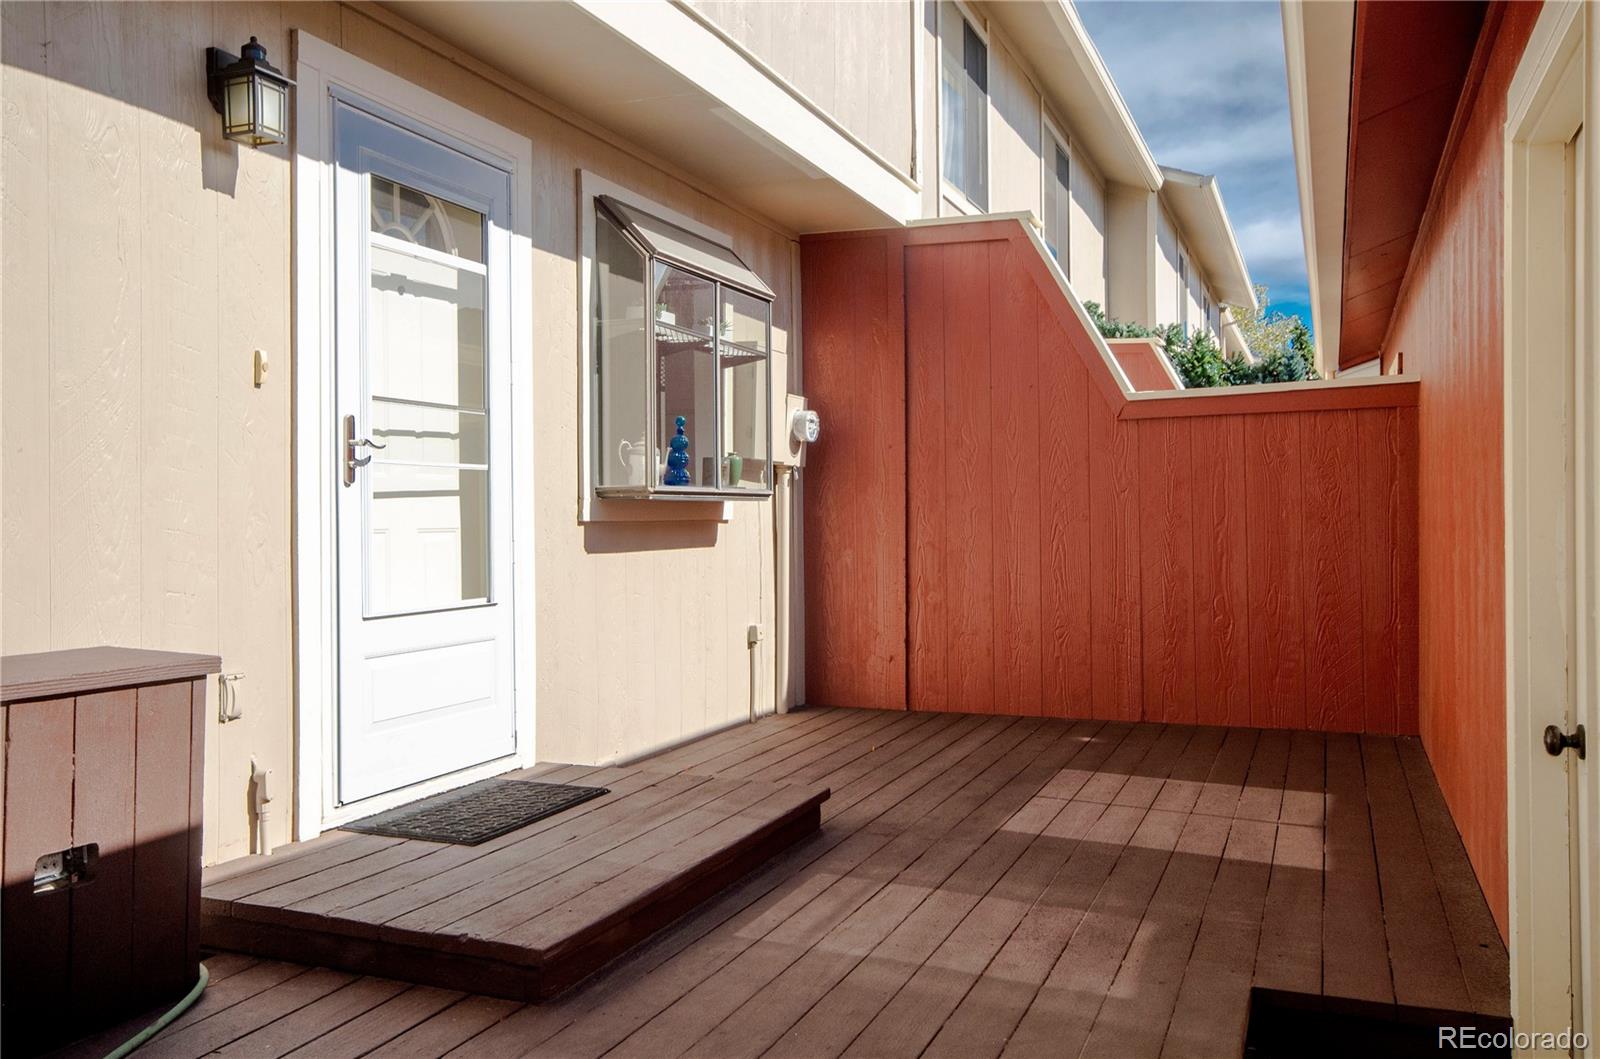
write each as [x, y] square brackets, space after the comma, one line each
[1196, 200]
[1317, 41]
[1053, 39]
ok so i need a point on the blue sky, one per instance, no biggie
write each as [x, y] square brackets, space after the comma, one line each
[1205, 81]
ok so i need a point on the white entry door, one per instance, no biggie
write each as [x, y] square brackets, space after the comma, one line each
[424, 504]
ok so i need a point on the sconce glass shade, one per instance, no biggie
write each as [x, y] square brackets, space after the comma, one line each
[251, 95]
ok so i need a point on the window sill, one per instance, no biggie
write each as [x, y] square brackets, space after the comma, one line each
[957, 200]
[644, 492]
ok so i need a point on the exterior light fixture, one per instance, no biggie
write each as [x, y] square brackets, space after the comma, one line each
[251, 95]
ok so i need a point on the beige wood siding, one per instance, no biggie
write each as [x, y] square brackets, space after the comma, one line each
[1088, 232]
[147, 482]
[1167, 250]
[1015, 155]
[852, 61]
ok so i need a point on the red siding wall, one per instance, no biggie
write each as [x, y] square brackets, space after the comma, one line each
[1448, 325]
[1141, 361]
[1047, 546]
[859, 549]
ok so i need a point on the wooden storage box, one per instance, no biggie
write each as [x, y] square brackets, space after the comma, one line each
[103, 755]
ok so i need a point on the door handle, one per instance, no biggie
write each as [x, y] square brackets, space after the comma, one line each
[1556, 741]
[351, 443]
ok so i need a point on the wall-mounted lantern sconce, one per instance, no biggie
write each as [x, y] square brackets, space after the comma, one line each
[251, 95]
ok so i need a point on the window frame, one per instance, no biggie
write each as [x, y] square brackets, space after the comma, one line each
[949, 190]
[1055, 141]
[1183, 291]
[652, 490]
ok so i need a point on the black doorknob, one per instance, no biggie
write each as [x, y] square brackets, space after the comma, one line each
[1555, 741]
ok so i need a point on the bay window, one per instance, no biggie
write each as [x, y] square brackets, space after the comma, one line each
[683, 385]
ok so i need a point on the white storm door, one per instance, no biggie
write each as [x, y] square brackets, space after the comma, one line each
[423, 421]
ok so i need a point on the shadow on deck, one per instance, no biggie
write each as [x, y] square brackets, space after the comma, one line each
[979, 884]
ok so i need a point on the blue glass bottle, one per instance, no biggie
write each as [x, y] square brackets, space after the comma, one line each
[678, 458]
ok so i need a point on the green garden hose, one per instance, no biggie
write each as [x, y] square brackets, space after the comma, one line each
[165, 1020]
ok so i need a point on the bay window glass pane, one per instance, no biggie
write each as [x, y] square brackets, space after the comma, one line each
[963, 105]
[746, 383]
[621, 344]
[686, 368]
[744, 319]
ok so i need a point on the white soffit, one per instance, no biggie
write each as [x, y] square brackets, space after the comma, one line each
[658, 77]
[1050, 36]
[1196, 203]
[1317, 42]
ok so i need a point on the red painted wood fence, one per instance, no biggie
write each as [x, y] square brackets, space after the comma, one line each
[992, 525]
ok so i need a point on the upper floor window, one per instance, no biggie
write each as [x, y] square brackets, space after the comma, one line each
[1058, 201]
[1183, 294]
[963, 105]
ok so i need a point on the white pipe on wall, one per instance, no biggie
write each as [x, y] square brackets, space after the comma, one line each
[780, 595]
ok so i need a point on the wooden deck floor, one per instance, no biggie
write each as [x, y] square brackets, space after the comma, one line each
[980, 886]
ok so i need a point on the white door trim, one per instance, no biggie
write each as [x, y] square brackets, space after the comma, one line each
[1544, 109]
[321, 71]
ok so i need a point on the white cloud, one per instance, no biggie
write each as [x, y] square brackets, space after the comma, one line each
[1210, 147]
[1274, 242]
[1206, 83]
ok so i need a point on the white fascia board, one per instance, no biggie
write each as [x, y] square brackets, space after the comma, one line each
[1078, 89]
[1196, 200]
[1317, 42]
[682, 43]
[1066, 17]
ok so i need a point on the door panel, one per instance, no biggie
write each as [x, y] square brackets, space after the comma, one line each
[425, 607]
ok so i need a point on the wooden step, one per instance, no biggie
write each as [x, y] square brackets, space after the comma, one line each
[522, 916]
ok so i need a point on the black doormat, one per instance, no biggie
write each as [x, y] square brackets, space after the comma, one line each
[1307, 1026]
[476, 813]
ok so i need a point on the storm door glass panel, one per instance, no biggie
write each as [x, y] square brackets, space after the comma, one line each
[686, 368]
[427, 506]
[745, 365]
[622, 345]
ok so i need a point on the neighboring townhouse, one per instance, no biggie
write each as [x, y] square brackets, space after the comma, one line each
[1151, 244]
[1200, 270]
[193, 506]
[1448, 173]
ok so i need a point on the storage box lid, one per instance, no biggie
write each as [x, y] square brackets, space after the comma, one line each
[59, 674]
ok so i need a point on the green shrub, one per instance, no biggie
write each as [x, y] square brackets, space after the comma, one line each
[1200, 362]
[1110, 328]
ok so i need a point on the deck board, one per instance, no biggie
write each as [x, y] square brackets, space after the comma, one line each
[529, 914]
[980, 885]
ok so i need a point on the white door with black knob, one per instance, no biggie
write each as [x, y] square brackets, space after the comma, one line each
[423, 509]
